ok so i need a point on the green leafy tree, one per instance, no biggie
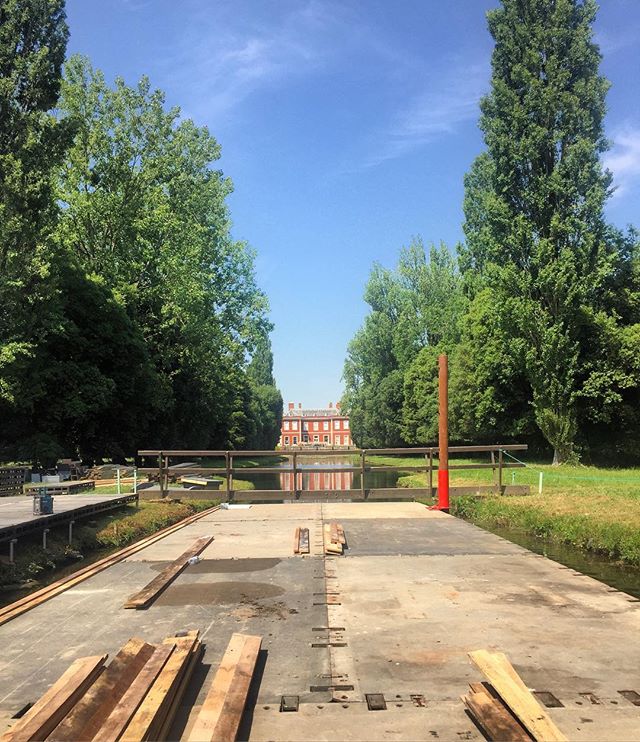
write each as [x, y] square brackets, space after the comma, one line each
[415, 311]
[33, 38]
[145, 209]
[534, 201]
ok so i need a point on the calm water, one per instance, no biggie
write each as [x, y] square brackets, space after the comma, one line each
[620, 576]
[314, 477]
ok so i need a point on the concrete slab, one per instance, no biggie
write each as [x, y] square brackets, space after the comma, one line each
[397, 616]
[375, 510]
[19, 509]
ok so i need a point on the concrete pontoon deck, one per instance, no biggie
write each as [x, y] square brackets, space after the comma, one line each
[396, 615]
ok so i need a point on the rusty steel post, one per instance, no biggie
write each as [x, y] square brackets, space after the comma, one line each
[443, 434]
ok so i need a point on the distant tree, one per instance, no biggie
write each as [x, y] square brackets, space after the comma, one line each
[415, 311]
[266, 400]
[534, 201]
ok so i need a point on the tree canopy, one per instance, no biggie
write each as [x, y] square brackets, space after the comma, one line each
[540, 334]
[130, 317]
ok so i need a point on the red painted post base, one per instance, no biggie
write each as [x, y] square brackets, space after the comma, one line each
[443, 491]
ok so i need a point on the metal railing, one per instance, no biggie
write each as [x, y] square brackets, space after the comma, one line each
[166, 469]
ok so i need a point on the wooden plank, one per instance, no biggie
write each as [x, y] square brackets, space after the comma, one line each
[330, 547]
[150, 592]
[511, 689]
[296, 541]
[119, 718]
[220, 715]
[150, 713]
[196, 655]
[43, 717]
[87, 716]
[493, 717]
[341, 537]
[304, 541]
[25, 604]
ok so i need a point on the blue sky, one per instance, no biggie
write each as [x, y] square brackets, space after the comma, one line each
[346, 128]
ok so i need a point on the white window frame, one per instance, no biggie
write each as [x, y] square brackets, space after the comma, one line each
[346, 424]
[286, 440]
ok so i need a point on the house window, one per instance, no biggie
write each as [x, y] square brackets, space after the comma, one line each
[316, 438]
[295, 439]
[336, 424]
[325, 439]
[337, 440]
[286, 440]
[286, 425]
[325, 425]
[305, 425]
[315, 426]
[346, 440]
[346, 425]
[305, 439]
[294, 425]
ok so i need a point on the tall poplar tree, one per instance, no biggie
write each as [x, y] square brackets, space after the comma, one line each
[535, 231]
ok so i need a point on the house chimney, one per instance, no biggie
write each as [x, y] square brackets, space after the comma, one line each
[337, 405]
[299, 405]
[291, 405]
[330, 405]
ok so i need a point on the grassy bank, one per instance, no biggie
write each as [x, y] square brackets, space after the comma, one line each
[589, 507]
[100, 535]
[125, 489]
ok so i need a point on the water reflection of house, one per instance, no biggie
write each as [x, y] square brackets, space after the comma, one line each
[322, 427]
[317, 480]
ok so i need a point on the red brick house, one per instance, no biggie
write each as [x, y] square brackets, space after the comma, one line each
[325, 427]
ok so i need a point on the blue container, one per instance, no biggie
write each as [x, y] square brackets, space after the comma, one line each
[43, 504]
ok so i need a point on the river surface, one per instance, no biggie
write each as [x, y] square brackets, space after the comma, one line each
[314, 477]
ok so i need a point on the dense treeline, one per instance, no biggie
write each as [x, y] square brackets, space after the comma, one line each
[540, 310]
[129, 317]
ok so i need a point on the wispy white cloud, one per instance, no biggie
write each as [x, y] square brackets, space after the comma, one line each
[446, 101]
[229, 54]
[611, 42]
[623, 159]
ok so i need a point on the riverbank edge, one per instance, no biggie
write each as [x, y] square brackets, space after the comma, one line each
[93, 538]
[616, 540]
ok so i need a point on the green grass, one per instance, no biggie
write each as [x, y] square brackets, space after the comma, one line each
[592, 508]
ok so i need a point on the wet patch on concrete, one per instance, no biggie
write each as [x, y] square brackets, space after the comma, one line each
[214, 566]
[217, 593]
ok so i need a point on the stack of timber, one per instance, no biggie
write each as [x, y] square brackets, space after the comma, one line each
[135, 697]
[334, 539]
[11, 480]
[301, 541]
[220, 714]
[504, 708]
[40, 596]
[150, 592]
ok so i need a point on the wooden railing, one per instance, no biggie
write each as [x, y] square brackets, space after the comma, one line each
[166, 469]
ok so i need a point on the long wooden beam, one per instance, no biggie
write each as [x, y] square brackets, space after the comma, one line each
[46, 593]
[150, 592]
[220, 715]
